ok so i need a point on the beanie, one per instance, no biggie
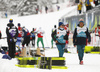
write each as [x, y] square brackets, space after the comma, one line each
[11, 20]
[81, 21]
[18, 24]
[60, 23]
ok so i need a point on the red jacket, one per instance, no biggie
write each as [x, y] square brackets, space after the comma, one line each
[19, 32]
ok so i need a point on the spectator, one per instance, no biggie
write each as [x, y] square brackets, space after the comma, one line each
[79, 7]
[89, 4]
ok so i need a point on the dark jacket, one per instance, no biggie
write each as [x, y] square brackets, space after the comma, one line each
[25, 33]
[9, 36]
[55, 38]
[81, 40]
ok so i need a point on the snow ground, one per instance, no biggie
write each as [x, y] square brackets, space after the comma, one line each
[47, 21]
[91, 63]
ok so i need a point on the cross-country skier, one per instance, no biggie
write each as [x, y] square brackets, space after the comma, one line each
[97, 34]
[12, 33]
[26, 40]
[40, 37]
[79, 38]
[32, 37]
[61, 37]
[67, 30]
[19, 38]
[55, 35]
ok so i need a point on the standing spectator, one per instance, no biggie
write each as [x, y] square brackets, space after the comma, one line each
[32, 37]
[12, 33]
[46, 9]
[6, 15]
[79, 8]
[58, 7]
[37, 10]
[96, 2]
[79, 38]
[89, 4]
[61, 37]
[19, 38]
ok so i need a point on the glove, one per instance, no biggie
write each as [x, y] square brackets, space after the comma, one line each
[22, 39]
[15, 40]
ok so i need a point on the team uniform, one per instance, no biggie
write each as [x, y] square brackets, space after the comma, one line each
[19, 38]
[97, 33]
[79, 39]
[61, 37]
[26, 37]
[67, 30]
[40, 37]
[12, 33]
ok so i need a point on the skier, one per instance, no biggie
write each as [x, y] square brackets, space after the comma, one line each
[79, 38]
[79, 8]
[89, 4]
[67, 30]
[26, 40]
[32, 37]
[55, 36]
[61, 37]
[40, 37]
[19, 38]
[12, 33]
[97, 34]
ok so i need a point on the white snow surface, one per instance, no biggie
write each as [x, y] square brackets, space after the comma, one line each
[47, 21]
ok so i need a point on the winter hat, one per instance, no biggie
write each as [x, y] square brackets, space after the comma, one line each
[81, 20]
[60, 23]
[11, 20]
[54, 26]
[18, 24]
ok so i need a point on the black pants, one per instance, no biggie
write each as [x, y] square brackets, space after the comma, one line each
[88, 8]
[11, 51]
[33, 41]
[79, 11]
[26, 41]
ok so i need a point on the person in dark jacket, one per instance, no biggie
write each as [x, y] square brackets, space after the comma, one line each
[79, 38]
[32, 38]
[60, 39]
[12, 33]
[26, 40]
